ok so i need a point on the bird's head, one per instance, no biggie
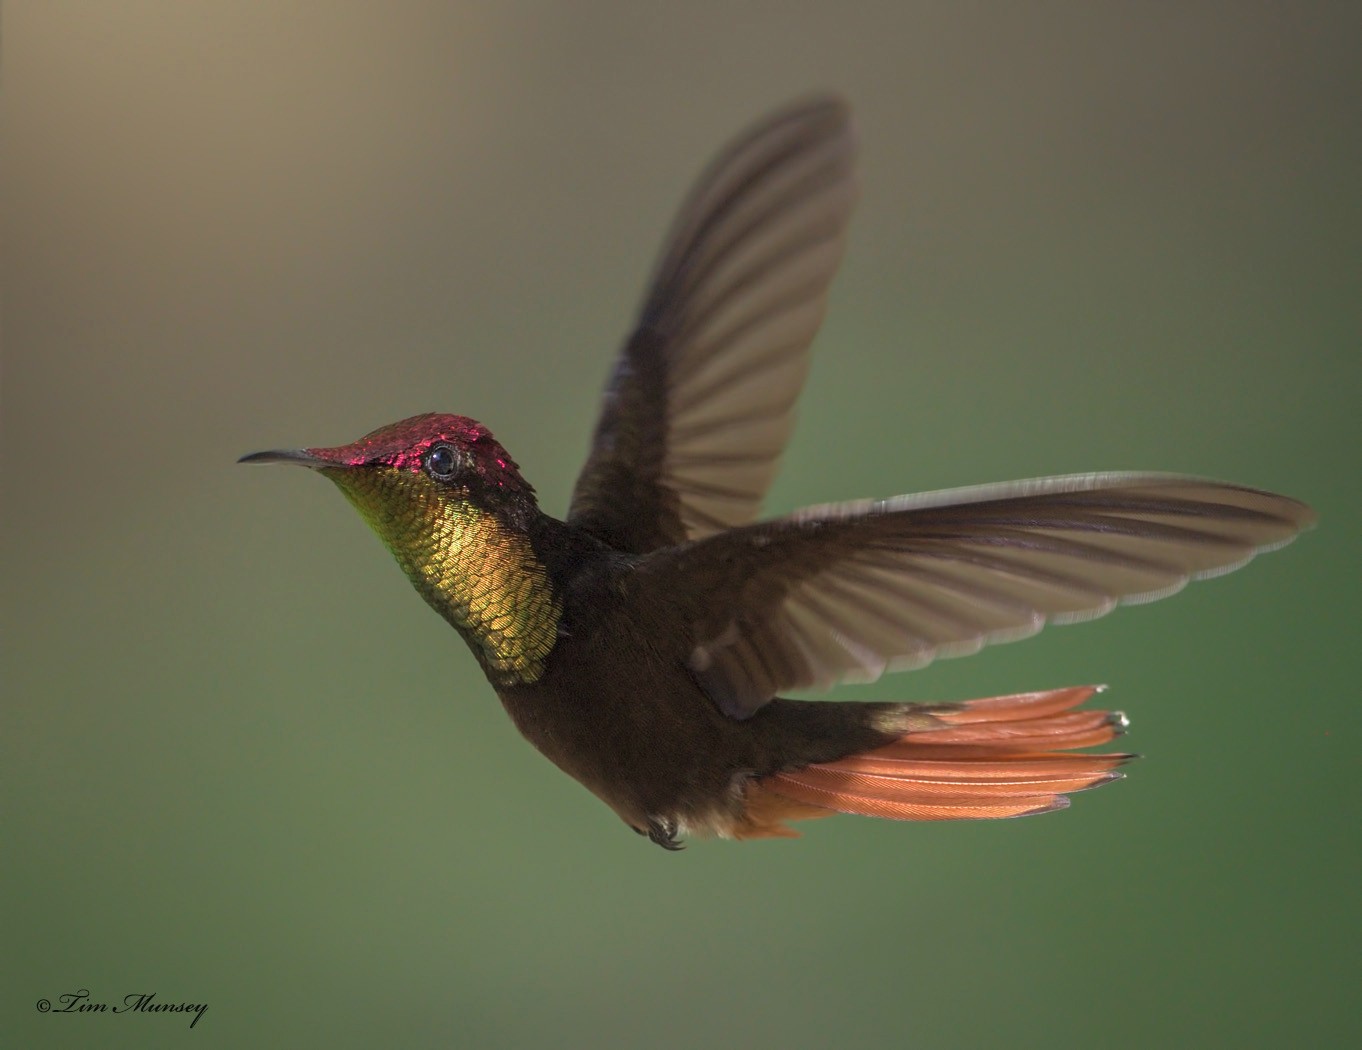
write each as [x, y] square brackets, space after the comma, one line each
[399, 473]
[449, 503]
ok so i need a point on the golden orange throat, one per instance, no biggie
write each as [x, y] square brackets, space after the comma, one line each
[477, 571]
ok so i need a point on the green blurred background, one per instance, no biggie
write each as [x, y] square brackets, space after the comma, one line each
[245, 765]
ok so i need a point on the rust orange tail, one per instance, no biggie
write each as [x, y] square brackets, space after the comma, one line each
[999, 757]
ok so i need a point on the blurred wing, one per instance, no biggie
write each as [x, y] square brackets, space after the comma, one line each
[700, 403]
[847, 591]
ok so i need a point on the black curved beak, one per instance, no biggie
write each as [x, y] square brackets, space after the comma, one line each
[298, 456]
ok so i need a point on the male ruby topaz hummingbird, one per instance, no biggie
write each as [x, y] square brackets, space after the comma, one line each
[643, 643]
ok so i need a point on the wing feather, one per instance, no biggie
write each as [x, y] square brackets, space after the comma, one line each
[846, 592]
[701, 401]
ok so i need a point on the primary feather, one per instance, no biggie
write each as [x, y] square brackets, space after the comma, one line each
[701, 401]
[845, 592]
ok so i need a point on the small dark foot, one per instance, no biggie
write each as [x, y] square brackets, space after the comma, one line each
[662, 830]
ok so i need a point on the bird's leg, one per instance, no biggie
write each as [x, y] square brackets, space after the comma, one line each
[662, 830]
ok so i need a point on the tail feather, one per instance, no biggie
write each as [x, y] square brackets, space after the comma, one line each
[949, 790]
[984, 759]
[1059, 732]
[1023, 773]
[1014, 707]
[848, 793]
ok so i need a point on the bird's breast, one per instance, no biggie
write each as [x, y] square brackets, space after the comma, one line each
[617, 710]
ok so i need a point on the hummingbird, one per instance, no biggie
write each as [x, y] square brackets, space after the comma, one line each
[642, 643]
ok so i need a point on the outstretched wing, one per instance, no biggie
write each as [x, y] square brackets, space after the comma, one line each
[701, 401]
[847, 591]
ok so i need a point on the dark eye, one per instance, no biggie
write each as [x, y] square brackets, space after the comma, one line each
[442, 462]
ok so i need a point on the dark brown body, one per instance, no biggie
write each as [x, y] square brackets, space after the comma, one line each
[643, 735]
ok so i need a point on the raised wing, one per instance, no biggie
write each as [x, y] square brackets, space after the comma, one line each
[847, 591]
[701, 401]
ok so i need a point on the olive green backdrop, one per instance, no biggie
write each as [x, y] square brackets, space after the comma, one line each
[244, 765]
